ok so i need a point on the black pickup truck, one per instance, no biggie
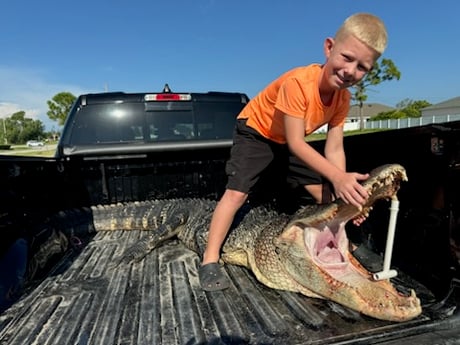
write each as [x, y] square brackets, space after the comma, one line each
[57, 285]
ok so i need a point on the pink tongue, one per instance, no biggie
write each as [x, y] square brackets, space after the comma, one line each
[330, 254]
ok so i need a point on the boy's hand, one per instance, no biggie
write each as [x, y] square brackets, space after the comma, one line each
[350, 190]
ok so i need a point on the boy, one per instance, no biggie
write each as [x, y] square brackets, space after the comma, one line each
[291, 107]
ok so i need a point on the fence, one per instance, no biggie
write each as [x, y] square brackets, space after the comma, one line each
[409, 122]
[397, 123]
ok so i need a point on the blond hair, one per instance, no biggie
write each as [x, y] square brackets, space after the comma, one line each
[366, 27]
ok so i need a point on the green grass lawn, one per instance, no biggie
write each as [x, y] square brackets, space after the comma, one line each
[22, 150]
[321, 136]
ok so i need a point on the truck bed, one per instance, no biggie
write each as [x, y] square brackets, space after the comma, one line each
[158, 300]
[82, 299]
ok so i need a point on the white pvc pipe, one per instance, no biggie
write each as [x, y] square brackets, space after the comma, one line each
[387, 273]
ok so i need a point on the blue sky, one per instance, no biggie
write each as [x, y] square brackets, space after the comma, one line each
[201, 45]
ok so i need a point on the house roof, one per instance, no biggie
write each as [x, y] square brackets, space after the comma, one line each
[369, 109]
[450, 103]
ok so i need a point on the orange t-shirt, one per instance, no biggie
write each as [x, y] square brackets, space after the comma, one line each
[295, 93]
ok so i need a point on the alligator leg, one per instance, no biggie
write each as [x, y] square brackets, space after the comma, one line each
[170, 228]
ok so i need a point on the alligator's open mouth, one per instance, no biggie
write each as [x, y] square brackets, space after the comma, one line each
[383, 183]
[325, 238]
[315, 253]
[328, 249]
[327, 242]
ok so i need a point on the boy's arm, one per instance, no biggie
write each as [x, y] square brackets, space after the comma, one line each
[346, 185]
[333, 150]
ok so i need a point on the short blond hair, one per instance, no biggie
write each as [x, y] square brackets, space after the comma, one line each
[366, 27]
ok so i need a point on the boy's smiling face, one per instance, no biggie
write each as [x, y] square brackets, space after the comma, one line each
[348, 61]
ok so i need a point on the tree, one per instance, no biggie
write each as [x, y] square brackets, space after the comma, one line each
[60, 106]
[412, 108]
[18, 128]
[404, 109]
[385, 71]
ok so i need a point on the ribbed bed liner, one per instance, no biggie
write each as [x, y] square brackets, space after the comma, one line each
[158, 300]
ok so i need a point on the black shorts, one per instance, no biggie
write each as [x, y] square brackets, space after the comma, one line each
[252, 154]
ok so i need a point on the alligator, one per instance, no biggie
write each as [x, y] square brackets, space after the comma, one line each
[307, 251]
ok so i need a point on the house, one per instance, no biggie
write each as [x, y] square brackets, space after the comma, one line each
[352, 121]
[449, 107]
[443, 112]
[369, 110]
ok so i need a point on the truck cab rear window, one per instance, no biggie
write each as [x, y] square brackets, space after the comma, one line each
[154, 121]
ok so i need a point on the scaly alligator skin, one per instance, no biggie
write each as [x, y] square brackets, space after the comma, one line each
[307, 252]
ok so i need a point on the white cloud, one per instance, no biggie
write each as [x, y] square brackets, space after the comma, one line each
[7, 109]
[28, 90]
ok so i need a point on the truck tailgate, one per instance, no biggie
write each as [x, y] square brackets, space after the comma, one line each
[85, 300]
